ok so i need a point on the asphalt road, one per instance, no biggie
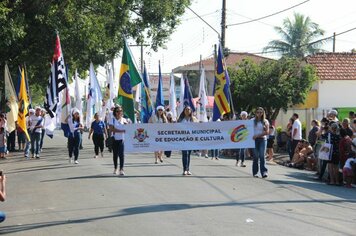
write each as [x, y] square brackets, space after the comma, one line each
[49, 196]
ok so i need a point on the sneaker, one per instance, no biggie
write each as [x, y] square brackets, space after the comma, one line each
[70, 160]
[37, 156]
[33, 156]
[206, 156]
[265, 175]
[237, 163]
[122, 172]
[242, 164]
[116, 172]
[256, 176]
[95, 156]
[76, 162]
[185, 172]
[189, 173]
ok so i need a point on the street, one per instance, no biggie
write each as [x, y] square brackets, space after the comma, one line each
[50, 196]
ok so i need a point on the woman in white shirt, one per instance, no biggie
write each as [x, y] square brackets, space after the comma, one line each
[158, 117]
[184, 117]
[117, 130]
[261, 129]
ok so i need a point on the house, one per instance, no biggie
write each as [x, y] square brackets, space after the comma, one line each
[335, 88]
[209, 65]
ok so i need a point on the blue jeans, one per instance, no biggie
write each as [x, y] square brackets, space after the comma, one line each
[186, 160]
[2, 216]
[35, 143]
[260, 152]
[73, 145]
[27, 147]
[240, 154]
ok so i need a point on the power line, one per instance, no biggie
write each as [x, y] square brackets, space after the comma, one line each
[273, 14]
[195, 17]
[308, 44]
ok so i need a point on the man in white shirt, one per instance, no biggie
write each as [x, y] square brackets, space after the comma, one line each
[296, 132]
[36, 124]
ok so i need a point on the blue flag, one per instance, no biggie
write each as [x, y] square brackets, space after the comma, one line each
[146, 103]
[159, 98]
[221, 88]
[188, 99]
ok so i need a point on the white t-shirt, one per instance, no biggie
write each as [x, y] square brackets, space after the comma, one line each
[259, 127]
[35, 121]
[118, 124]
[297, 125]
[349, 161]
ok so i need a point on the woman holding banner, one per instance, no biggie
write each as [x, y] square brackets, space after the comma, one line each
[159, 117]
[118, 133]
[184, 117]
[261, 130]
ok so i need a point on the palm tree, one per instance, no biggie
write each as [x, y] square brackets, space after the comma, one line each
[299, 37]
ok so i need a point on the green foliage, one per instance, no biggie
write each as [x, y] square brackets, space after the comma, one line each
[274, 85]
[90, 30]
[298, 37]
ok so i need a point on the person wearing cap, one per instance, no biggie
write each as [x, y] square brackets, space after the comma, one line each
[170, 119]
[74, 136]
[36, 124]
[333, 138]
[332, 116]
[31, 112]
[240, 154]
[158, 117]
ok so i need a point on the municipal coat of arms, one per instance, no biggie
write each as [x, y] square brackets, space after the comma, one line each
[140, 134]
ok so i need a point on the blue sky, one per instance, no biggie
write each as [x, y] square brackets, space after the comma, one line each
[193, 37]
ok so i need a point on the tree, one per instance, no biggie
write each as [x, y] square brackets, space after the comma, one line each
[90, 30]
[299, 37]
[273, 85]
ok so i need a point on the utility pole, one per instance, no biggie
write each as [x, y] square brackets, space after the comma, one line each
[334, 41]
[141, 59]
[223, 24]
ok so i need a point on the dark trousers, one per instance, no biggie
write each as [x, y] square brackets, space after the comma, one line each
[323, 166]
[118, 151]
[98, 140]
[294, 145]
[73, 145]
[42, 137]
[11, 141]
[240, 154]
[168, 153]
[186, 160]
[35, 143]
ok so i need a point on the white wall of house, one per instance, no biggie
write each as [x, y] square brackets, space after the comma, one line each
[337, 93]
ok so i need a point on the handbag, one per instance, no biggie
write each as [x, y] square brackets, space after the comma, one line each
[326, 150]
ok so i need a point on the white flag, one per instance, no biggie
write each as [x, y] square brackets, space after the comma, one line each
[203, 98]
[78, 94]
[172, 98]
[95, 97]
[11, 101]
[181, 97]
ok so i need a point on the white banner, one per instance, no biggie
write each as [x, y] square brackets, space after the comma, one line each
[189, 136]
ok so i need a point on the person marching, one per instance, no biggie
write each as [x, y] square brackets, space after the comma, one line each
[98, 130]
[36, 122]
[184, 117]
[75, 135]
[117, 130]
[159, 117]
[261, 130]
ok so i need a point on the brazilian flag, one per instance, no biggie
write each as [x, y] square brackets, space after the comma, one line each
[129, 77]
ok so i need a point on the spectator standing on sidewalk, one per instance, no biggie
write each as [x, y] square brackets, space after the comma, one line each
[296, 131]
[289, 140]
[270, 141]
[36, 122]
[261, 130]
[312, 136]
